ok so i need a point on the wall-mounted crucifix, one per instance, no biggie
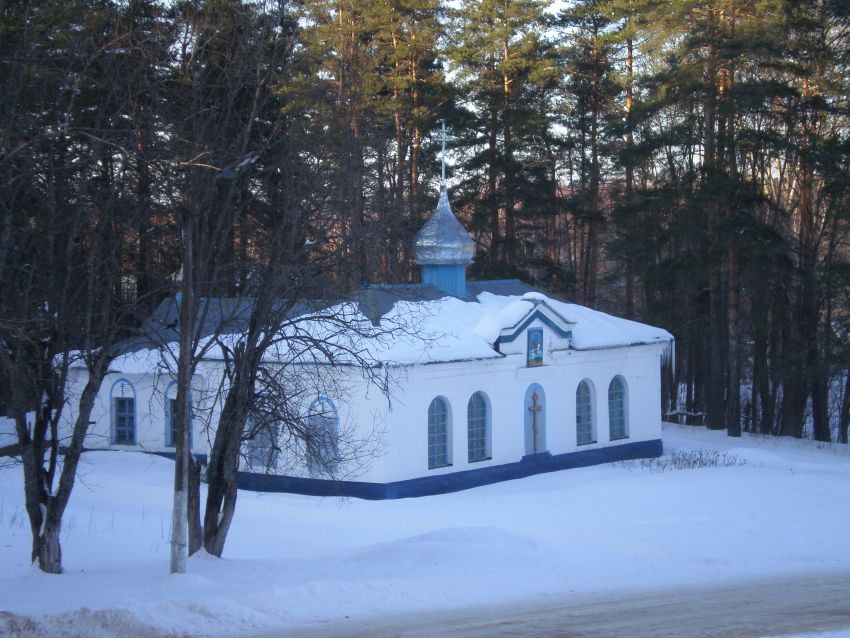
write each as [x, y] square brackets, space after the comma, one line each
[535, 409]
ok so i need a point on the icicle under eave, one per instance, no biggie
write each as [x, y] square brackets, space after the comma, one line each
[668, 373]
[668, 356]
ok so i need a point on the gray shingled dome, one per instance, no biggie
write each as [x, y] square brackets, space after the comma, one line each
[443, 239]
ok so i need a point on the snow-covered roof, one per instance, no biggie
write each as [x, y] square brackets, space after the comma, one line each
[469, 329]
[410, 325]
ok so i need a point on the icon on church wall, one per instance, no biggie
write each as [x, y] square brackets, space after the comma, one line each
[535, 347]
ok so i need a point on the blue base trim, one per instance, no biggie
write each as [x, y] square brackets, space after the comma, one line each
[443, 483]
[537, 457]
[202, 458]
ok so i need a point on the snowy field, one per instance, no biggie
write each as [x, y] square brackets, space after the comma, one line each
[773, 508]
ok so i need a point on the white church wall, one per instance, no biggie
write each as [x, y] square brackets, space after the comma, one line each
[360, 407]
[638, 366]
[505, 382]
[149, 392]
[395, 431]
[407, 424]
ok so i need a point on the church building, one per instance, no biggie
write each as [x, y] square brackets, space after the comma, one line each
[499, 381]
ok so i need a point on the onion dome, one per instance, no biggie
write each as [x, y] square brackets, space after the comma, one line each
[443, 239]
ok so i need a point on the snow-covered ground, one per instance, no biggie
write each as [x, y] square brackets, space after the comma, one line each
[773, 508]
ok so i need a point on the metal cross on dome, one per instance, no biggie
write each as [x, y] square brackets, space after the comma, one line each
[443, 137]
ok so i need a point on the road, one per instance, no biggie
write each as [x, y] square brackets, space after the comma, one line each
[805, 604]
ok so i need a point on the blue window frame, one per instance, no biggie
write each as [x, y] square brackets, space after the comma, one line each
[584, 414]
[171, 423]
[262, 449]
[438, 434]
[123, 408]
[617, 409]
[323, 449]
[478, 427]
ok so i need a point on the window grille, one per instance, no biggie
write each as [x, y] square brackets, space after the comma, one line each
[584, 415]
[171, 419]
[262, 450]
[477, 427]
[323, 424]
[438, 434]
[125, 420]
[617, 409]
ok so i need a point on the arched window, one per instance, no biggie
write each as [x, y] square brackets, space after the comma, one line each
[617, 414]
[478, 427]
[438, 434]
[534, 417]
[584, 414]
[122, 405]
[171, 416]
[323, 448]
[262, 447]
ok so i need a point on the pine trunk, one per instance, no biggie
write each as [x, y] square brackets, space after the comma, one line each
[493, 202]
[716, 413]
[592, 270]
[844, 418]
[733, 401]
[630, 176]
[729, 166]
[510, 246]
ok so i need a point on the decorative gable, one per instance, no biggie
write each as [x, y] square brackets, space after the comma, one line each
[538, 331]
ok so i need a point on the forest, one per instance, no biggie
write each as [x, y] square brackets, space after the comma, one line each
[681, 163]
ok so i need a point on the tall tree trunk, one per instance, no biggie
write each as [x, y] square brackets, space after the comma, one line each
[180, 512]
[733, 401]
[495, 251]
[45, 508]
[729, 166]
[595, 213]
[401, 150]
[510, 246]
[716, 413]
[416, 144]
[222, 472]
[630, 176]
[196, 539]
[761, 402]
[144, 266]
[793, 405]
[844, 418]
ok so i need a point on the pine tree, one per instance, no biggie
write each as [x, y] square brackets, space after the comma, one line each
[506, 69]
